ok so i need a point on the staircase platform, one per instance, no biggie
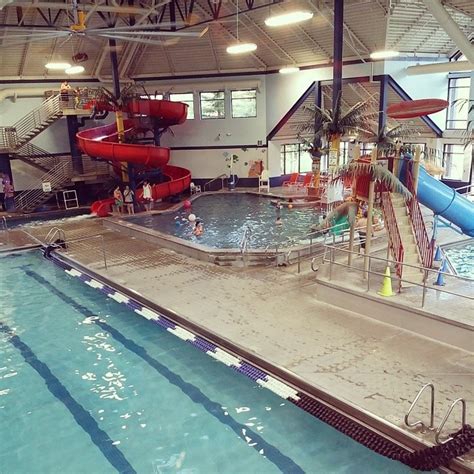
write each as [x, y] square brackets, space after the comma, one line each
[78, 112]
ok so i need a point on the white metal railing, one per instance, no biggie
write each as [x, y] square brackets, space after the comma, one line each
[12, 137]
[55, 232]
[432, 409]
[391, 263]
[222, 177]
[244, 242]
[4, 228]
[57, 177]
[37, 155]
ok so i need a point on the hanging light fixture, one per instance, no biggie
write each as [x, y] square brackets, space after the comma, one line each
[59, 66]
[240, 48]
[289, 70]
[289, 18]
[74, 70]
[384, 54]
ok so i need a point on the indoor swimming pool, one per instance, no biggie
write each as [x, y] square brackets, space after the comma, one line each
[461, 257]
[87, 385]
[226, 216]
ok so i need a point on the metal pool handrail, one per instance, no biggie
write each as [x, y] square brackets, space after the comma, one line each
[445, 419]
[49, 239]
[221, 177]
[432, 406]
[391, 263]
[5, 229]
[245, 239]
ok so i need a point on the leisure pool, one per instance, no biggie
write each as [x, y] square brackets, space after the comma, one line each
[225, 217]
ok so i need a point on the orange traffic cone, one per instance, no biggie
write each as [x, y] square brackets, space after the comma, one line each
[386, 289]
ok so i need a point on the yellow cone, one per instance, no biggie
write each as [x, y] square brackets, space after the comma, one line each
[386, 289]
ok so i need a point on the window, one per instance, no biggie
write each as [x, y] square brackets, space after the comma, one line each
[295, 159]
[212, 105]
[244, 103]
[154, 96]
[455, 158]
[458, 90]
[366, 148]
[186, 98]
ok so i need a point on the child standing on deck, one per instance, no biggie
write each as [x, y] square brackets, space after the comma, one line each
[128, 200]
[147, 195]
[118, 196]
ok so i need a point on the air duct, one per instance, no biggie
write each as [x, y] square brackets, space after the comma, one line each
[22, 92]
[451, 28]
[452, 66]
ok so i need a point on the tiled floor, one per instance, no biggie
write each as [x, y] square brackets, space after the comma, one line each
[274, 313]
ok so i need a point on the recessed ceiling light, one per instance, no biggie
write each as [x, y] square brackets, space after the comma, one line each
[57, 66]
[74, 70]
[241, 48]
[289, 70]
[288, 18]
[384, 54]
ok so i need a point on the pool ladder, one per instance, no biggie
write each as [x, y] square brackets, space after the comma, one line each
[54, 234]
[4, 228]
[431, 426]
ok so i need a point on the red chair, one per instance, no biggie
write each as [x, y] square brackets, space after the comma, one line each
[307, 181]
[292, 181]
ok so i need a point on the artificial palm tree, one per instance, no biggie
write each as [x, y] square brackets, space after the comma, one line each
[332, 124]
[377, 173]
[387, 140]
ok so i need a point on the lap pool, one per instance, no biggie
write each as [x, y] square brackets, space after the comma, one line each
[86, 385]
[226, 216]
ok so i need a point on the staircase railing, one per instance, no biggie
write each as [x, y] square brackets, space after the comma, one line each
[19, 131]
[57, 177]
[425, 246]
[32, 153]
[393, 233]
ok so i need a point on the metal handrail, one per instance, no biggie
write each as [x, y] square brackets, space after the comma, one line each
[432, 407]
[425, 247]
[393, 231]
[57, 176]
[468, 186]
[389, 262]
[37, 155]
[445, 419]
[50, 236]
[221, 177]
[5, 225]
[245, 239]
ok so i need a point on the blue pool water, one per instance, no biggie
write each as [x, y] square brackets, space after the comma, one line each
[86, 385]
[462, 258]
[225, 217]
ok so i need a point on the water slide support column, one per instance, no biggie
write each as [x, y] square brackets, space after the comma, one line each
[76, 156]
[127, 176]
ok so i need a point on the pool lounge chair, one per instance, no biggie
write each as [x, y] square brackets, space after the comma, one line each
[307, 181]
[292, 181]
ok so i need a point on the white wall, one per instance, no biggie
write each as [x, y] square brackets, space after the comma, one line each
[423, 86]
[217, 132]
[283, 90]
[208, 163]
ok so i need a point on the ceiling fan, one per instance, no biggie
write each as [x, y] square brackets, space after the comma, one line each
[138, 33]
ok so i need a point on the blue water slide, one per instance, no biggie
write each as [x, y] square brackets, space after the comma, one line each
[444, 201]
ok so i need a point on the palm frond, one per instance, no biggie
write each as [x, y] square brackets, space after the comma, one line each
[357, 169]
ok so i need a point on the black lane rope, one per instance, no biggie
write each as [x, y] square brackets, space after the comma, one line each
[424, 460]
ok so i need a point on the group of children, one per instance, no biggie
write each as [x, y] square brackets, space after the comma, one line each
[124, 200]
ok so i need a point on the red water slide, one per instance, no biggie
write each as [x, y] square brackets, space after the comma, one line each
[102, 142]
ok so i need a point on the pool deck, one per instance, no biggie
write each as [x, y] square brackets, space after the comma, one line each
[275, 313]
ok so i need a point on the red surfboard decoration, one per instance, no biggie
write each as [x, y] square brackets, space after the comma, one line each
[416, 108]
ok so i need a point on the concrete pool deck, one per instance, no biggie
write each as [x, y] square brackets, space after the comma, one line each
[275, 313]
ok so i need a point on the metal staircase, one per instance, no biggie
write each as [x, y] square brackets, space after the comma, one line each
[59, 177]
[407, 236]
[36, 156]
[32, 124]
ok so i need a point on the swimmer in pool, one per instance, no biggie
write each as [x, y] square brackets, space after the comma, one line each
[198, 228]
